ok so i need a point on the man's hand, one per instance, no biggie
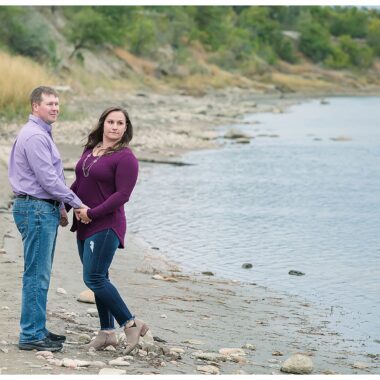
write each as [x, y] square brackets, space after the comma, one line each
[81, 214]
[63, 221]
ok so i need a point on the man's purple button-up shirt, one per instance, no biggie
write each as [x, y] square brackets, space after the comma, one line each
[35, 166]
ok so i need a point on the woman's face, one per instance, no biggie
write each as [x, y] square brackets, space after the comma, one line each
[114, 126]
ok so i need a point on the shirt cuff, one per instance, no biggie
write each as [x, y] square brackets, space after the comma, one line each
[90, 214]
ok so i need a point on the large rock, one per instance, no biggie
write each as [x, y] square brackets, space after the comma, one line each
[87, 296]
[300, 364]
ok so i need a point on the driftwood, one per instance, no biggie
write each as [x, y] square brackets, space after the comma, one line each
[169, 162]
[70, 167]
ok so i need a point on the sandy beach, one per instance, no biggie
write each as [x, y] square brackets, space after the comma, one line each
[198, 323]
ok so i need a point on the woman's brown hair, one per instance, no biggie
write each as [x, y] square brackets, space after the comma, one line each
[96, 135]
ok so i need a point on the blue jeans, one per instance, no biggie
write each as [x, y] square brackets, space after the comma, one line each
[96, 254]
[37, 222]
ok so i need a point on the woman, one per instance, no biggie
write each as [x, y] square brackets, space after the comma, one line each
[105, 177]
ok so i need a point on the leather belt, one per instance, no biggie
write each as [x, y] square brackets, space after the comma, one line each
[27, 197]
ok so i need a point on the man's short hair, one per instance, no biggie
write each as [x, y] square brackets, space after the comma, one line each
[36, 95]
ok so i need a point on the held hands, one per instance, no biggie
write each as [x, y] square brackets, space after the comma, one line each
[81, 214]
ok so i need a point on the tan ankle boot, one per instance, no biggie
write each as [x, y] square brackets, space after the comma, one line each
[103, 340]
[133, 333]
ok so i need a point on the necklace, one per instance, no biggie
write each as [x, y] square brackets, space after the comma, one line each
[86, 171]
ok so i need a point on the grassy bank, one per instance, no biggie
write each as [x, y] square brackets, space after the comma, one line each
[18, 75]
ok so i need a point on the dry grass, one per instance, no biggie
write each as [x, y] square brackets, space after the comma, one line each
[18, 77]
[139, 65]
[298, 83]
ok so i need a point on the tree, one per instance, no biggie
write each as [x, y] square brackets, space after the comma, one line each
[349, 21]
[361, 55]
[374, 35]
[315, 41]
[89, 28]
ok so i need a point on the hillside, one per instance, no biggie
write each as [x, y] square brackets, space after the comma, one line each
[187, 49]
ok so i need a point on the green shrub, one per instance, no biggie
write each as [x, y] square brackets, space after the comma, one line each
[374, 35]
[361, 55]
[315, 41]
[337, 59]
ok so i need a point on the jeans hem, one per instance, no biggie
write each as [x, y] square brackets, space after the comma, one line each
[128, 320]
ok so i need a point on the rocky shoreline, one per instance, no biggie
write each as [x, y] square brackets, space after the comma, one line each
[198, 323]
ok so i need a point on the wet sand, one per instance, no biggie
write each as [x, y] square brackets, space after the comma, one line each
[191, 312]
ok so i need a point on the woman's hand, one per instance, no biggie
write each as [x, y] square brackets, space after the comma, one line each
[81, 215]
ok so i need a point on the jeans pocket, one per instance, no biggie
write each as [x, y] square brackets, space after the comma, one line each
[47, 208]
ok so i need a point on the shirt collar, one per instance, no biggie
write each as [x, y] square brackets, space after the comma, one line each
[47, 127]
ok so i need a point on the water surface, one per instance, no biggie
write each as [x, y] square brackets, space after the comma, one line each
[299, 201]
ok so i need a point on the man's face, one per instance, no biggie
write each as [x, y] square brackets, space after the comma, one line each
[48, 109]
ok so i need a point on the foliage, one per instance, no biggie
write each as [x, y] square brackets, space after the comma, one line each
[374, 35]
[349, 21]
[315, 41]
[237, 38]
[361, 55]
[24, 32]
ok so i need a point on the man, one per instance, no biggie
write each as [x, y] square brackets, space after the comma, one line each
[37, 179]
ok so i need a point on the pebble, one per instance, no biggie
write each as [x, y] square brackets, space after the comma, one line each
[44, 355]
[4, 342]
[84, 338]
[298, 363]
[249, 346]
[82, 363]
[61, 291]
[232, 352]
[157, 277]
[247, 266]
[4, 308]
[360, 365]
[119, 361]
[163, 316]
[69, 363]
[97, 364]
[208, 369]
[109, 348]
[177, 350]
[87, 296]
[3, 251]
[296, 273]
[193, 341]
[210, 356]
[277, 353]
[239, 359]
[56, 362]
[5, 350]
[92, 312]
[112, 371]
